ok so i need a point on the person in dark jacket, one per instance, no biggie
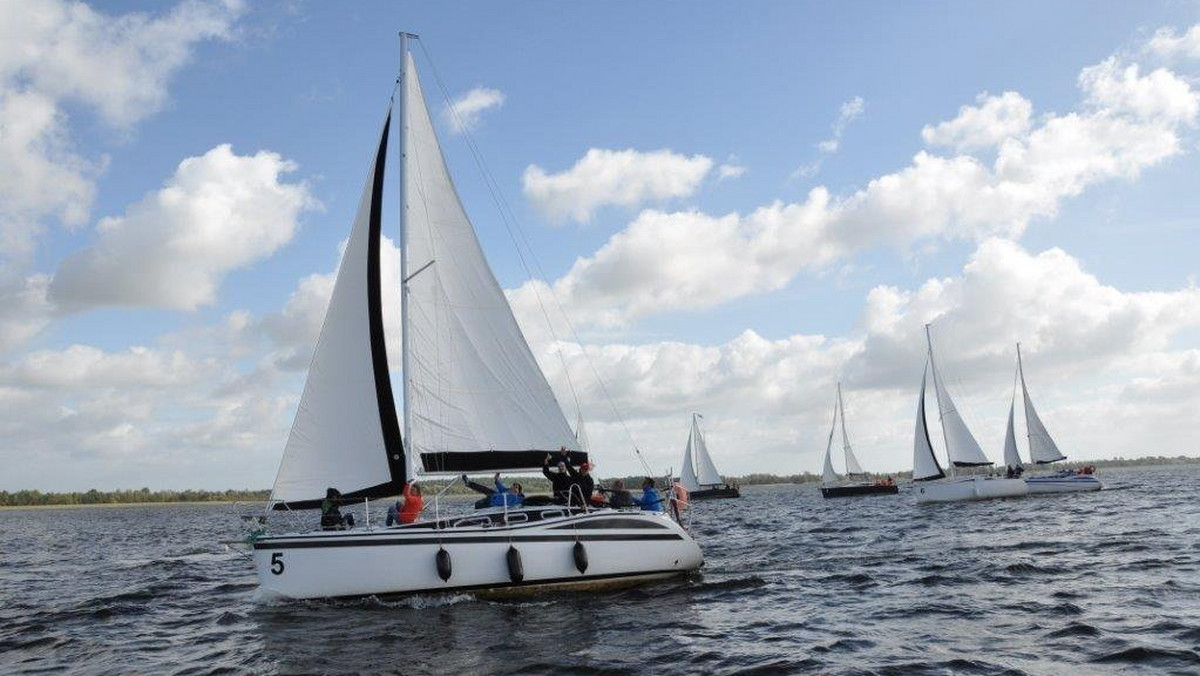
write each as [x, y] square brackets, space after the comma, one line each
[582, 484]
[618, 497]
[560, 481]
[331, 514]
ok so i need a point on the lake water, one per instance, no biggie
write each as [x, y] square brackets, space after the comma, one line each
[1103, 582]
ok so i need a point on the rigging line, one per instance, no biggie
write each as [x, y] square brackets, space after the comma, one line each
[502, 204]
[493, 189]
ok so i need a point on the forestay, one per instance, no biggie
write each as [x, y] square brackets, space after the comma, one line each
[477, 399]
[345, 434]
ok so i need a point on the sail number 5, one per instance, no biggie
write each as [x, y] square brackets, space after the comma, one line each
[277, 563]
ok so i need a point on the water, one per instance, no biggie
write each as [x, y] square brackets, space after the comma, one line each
[1094, 583]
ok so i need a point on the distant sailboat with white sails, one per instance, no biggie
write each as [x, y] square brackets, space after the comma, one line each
[831, 485]
[962, 450]
[1042, 449]
[699, 475]
[475, 401]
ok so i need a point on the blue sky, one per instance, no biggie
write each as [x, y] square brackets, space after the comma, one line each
[751, 85]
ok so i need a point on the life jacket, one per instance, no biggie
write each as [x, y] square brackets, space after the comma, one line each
[681, 495]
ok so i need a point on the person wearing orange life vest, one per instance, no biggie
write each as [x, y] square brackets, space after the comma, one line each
[411, 509]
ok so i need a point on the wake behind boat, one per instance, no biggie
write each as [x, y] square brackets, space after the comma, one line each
[475, 400]
[1042, 450]
[699, 475]
[933, 484]
[830, 485]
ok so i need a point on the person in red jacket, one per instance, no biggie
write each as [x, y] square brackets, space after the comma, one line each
[411, 509]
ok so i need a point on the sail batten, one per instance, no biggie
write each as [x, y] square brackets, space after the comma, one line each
[477, 399]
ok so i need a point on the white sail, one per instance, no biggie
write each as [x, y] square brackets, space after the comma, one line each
[828, 476]
[687, 475]
[961, 446]
[477, 398]
[852, 466]
[706, 471]
[581, 434]
[1011, 457]
[925, 464]
[345, 434]
[1042, 448]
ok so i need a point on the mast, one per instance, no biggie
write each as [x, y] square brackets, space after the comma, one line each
[402, 172]
[937, 391]
[1024, 400]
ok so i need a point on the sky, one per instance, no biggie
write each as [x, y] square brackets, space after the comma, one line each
[736, 204]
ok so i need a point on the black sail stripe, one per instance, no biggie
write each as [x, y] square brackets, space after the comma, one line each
[928, 444]
[389, 424]
[484, 461]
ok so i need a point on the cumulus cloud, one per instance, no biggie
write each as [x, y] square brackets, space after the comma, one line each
[985, 125]
[55, 52]
[770, 398]
[466, 111]
[24, 309]
[218, 212]
[626, 178]
[671, 261]
[1168, 43]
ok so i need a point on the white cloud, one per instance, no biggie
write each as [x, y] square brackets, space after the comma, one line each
[663, 262]
[987, 124]
[848, 112]
[466, 111]
[626, 178]
[25, 309]
[218, 212]
[1167, 43]
[53, 52]
[730, 171]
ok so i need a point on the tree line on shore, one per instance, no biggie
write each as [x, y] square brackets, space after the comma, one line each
[532, 485]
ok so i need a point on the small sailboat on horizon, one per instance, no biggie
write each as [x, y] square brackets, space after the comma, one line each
[830, 486]
[962, 451]
[699, 475]
[1042, 449]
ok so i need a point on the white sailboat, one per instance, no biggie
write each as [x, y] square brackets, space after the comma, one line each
[831, 485]
[475, 400]
[1042, 449]
[699, 475]
[962, 450]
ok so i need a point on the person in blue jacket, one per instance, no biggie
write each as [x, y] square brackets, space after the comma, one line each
[651, 500]
[498, 496]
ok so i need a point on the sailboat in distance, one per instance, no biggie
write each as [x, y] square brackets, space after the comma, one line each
[933, 484]
[699, 475]
[475, 401]
[1042, 449]
[831, 487]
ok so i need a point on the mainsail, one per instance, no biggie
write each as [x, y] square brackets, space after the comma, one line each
[852, 466]
[687, 475]
[1042, 448]
[345, 434]
[925, 464]
[476, 399]
[706, 471]
[961, 446]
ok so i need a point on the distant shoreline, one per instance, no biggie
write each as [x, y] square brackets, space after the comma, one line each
[27, 499]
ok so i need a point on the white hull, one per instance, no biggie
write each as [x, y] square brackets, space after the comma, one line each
[620, 547]
[1076, 483]
[969, 488]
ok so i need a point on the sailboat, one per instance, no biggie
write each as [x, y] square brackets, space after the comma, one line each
[933, 484]
[475, 401]
[1042, 449]
[699, 475]
[831, 487]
